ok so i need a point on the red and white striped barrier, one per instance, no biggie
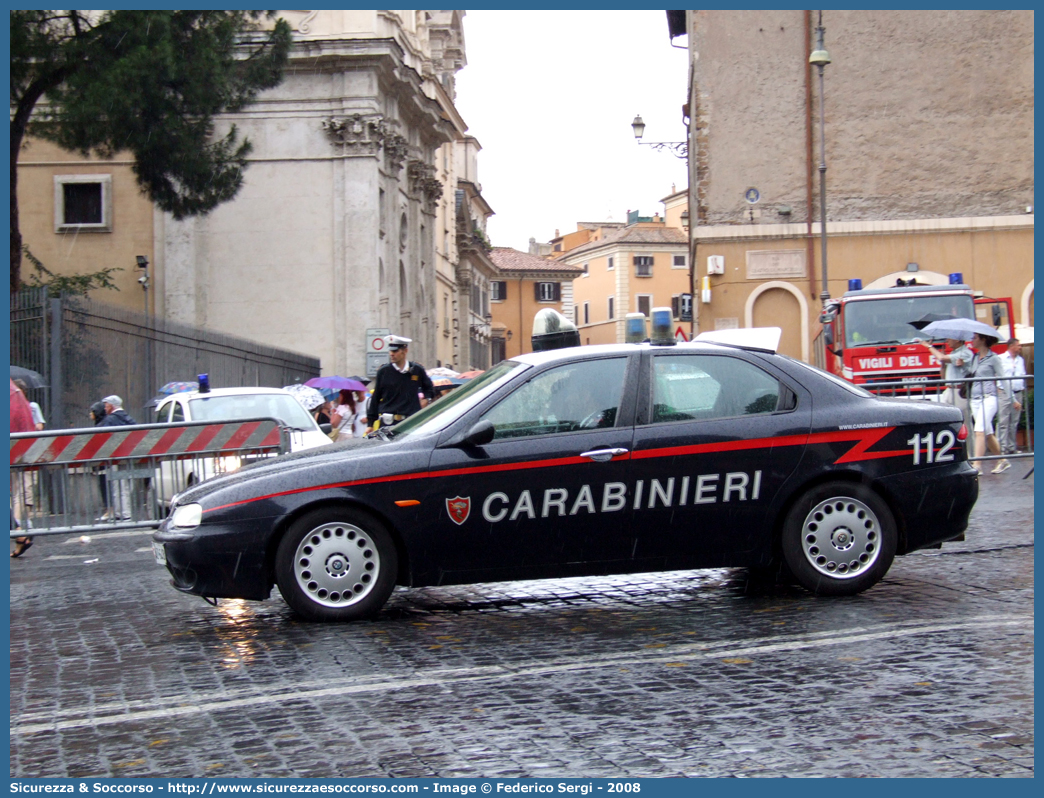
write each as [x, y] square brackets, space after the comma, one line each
[147, 440]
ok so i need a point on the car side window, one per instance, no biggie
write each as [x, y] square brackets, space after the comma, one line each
[571, 397]
[177, 412]
[701, 387]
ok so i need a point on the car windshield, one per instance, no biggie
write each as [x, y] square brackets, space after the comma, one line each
[887, 320]
[450, 407]
[252, 405]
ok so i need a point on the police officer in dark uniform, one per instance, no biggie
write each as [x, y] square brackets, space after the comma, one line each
[398, 383]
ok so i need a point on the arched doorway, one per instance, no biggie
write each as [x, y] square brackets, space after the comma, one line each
[781, 304]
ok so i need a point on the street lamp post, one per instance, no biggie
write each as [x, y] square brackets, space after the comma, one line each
[820, 58]
[680, 149]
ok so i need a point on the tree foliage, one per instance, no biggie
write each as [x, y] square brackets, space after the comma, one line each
[68, 284]
[146, 82]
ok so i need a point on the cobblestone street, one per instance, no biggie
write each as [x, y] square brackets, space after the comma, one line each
[113, 673]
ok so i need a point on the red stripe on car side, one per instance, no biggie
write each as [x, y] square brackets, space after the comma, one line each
[862, 438]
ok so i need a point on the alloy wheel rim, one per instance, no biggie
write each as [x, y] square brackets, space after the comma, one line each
[841, 537]
[336, 565]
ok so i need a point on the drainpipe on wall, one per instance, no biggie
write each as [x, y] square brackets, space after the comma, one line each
[811, 257]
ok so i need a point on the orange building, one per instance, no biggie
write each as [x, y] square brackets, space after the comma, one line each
[629, 269]
[526, 285]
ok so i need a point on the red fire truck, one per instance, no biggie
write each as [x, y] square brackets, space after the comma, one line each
[871, 336]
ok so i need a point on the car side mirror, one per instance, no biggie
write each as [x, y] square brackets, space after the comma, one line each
[326, 428]
[480, 434]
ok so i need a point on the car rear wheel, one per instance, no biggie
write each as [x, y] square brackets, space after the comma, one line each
[336, 564]
[839, 539]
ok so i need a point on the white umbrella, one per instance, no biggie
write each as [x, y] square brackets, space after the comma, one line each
[309, 397]
[961, 329]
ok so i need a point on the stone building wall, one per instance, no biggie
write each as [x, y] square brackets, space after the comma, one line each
[929, 114]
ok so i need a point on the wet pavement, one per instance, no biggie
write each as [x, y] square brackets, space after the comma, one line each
[930, 673]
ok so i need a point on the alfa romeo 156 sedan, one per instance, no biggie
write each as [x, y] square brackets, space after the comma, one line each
[587, 461]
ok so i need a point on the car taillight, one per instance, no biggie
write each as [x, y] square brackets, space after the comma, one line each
[963, 434]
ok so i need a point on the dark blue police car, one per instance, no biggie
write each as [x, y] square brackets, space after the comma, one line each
[584, 461]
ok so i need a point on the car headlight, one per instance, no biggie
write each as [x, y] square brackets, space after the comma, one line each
[187, 516]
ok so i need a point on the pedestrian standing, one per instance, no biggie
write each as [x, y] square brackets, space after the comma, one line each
[956, 366]
[343, 418]
[116, 416]
[985, 364]
[399, 386]
[362, 404]
[21, 421]
[1009, 402]
[38, 417]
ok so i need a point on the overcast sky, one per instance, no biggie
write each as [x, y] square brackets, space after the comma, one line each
[550, 95]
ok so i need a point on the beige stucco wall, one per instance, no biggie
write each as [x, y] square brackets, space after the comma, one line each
[517, 310]
[81, 253]
[996, 259]
[621, 283]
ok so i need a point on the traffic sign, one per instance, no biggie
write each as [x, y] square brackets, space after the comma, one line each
[680, 336]
[375, 339]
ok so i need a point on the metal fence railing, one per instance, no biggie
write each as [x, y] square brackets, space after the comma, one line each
[106, 478]
[86, 349]
[1016, 431]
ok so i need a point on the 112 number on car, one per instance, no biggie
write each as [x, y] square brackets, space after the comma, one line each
[945, 440]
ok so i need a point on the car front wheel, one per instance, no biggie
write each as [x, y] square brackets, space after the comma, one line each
[336, 565]
[839, 539]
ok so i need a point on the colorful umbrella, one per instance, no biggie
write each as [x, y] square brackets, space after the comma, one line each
[442, 382]
[336, 383]
[467, 375]
[178, 387]
[169, 389]
[310, 398]
[442, 371]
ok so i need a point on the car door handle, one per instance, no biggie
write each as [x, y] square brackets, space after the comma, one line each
[603, 455]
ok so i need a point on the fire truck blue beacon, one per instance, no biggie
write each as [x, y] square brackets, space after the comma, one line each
[590, 460]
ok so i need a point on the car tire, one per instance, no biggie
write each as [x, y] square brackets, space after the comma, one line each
[839, 539]
[336, 564]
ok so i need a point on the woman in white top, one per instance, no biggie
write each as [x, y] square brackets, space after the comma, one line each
[344, 416]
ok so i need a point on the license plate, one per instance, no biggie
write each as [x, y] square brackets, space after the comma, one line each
[159, 553]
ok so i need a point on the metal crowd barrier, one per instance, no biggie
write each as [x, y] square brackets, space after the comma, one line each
[935, 391]
[107, 478]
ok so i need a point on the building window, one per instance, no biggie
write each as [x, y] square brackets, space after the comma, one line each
[610, 265]
[612, 307]
[679, 262]
[402, 285]
[83, 203]
[445, 316]
[585, 269]
[643, 304]
[380, 212]
[587, 313]
[558, 247]
[681, 306]
[498, 290]
[643, 265]
[548, 292]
